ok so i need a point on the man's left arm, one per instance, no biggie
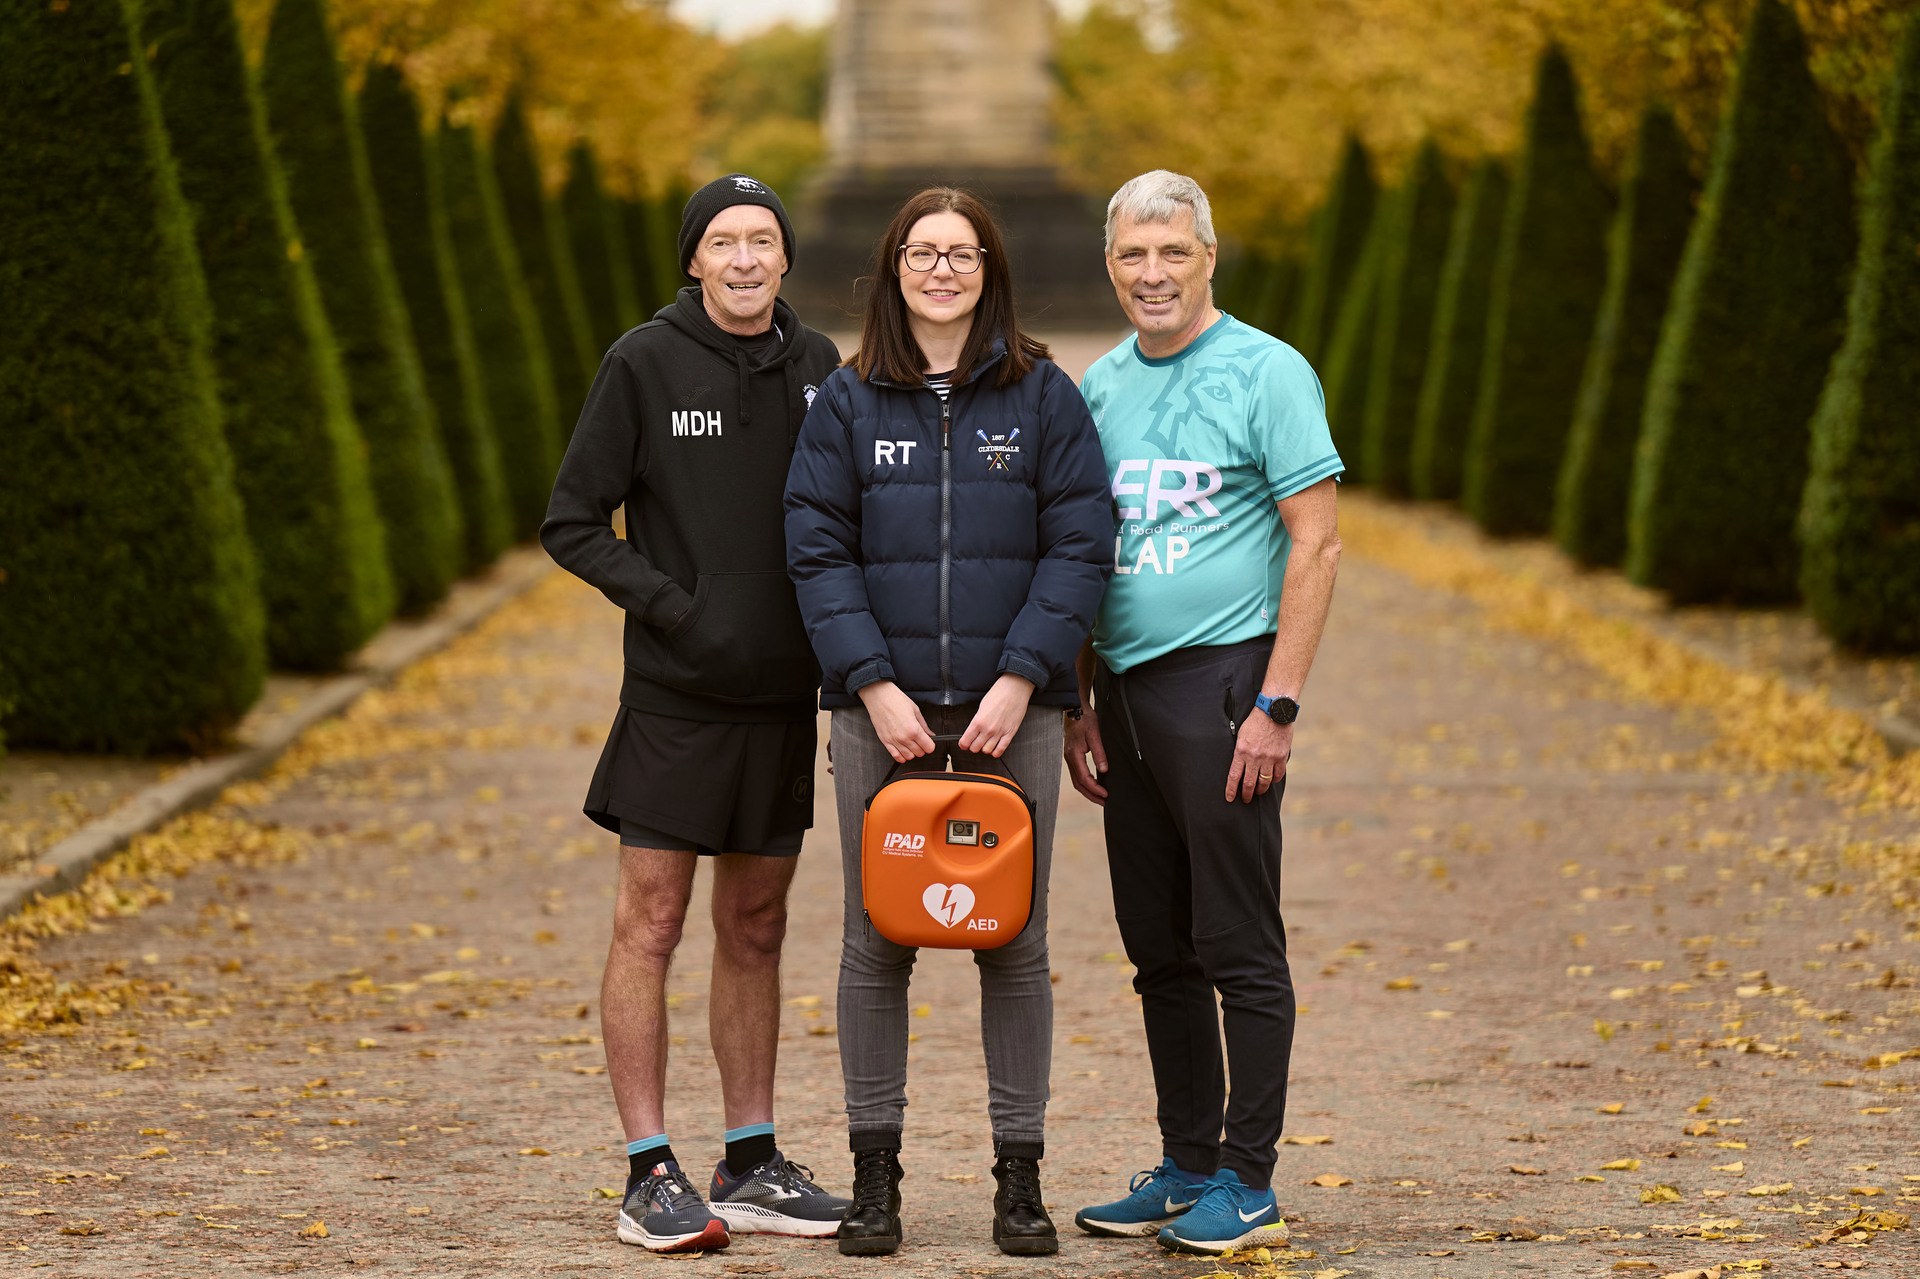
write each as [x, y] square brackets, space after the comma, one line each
[1263, 747]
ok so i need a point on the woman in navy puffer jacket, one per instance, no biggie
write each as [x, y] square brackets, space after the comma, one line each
[950, 532]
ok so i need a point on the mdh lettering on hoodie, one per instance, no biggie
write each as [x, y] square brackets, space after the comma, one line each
[697, 422]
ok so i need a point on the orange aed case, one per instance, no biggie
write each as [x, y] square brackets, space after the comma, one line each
[946, 859]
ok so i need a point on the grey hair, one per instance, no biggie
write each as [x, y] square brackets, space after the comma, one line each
[1158, 196]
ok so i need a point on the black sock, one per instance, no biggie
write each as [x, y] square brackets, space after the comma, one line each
[749, 1147]
[644, 1160]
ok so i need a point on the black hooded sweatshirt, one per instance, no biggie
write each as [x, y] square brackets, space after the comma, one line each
[693, 435]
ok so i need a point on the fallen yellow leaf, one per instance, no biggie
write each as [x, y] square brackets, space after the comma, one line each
[1621, 1165]
[318, 1230]
[1611, 1108]
[1661, 1194]
[1331, 1180]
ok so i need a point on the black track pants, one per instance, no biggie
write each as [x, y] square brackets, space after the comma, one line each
[1196, 892]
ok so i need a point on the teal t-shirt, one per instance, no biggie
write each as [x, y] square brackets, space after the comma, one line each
[1199, 447]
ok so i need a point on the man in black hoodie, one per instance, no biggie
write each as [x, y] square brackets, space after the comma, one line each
[690, 426]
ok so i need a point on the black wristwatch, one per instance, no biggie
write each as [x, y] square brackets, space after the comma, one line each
[1281, 710]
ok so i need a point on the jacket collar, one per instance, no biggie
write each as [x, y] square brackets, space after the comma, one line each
[995, 353]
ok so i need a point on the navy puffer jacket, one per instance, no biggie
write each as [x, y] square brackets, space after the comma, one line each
[941, 545]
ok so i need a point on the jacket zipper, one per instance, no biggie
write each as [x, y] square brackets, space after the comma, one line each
[946, 554]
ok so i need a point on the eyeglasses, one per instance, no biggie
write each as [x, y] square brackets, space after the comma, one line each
[965, 259]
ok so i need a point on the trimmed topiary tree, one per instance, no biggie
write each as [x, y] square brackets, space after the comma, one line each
[546, 261]
[299, 461]
[1546, 290]
[663, 224]
[1860, 522]
[318, 143]
[1269, 293]
[131, 597]
[1413, 245]
[1757, 313]
[431, 286]
[1350, 352]
[598, 243]
[513, 355]
[1643, 254]
[1443, 418]
[1340, 231]
[640, 256]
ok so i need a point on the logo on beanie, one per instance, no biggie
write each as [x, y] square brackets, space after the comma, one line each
[742, 182]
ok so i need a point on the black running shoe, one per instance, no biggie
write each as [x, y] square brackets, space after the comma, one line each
[664, 1213]
[777, 1198]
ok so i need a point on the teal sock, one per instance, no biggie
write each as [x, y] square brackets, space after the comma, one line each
[644, 1154]
[749, 1147]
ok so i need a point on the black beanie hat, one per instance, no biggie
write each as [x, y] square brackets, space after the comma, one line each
[704, 205]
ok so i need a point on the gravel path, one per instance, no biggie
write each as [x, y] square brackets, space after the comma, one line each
[1535, 931]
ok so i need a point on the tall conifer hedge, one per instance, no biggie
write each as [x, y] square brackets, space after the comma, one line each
[513, 354]
[1417, 218]
[1643, 254]
[663, 225]
[546, 261]
[319, 146]
[1443, 417]
[1271, 292]
[299, 461]
[1546, 290]
[1350, 353]
[598, 243]
[432, 287]
[1340, 231]
[633, 225]
[1860, 523]
[130, 611]
[1757, 313]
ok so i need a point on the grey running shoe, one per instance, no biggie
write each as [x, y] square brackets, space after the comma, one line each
[777, 1198]
[664, 1213]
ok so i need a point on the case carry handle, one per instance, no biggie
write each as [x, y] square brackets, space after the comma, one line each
[953, 740]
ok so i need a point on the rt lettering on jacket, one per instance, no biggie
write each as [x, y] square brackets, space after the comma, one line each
[696, 422]
[884, 450]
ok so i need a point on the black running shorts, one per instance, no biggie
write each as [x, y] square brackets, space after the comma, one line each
[705, 787]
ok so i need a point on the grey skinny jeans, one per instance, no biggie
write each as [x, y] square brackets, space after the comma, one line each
[1016, 990]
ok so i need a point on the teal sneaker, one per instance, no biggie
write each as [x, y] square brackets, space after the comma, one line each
[1229, 1214]
[1156, 1197]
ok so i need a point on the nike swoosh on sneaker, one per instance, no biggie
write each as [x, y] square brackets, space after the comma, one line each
[1250, 1219]
[1177, 1205]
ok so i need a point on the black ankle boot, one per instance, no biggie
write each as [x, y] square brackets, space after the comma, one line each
[871, 1227]
[1020, 1223]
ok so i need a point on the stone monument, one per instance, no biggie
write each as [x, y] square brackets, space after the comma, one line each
[947, 92]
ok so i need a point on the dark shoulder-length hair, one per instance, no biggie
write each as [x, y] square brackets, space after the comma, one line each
[888, 350]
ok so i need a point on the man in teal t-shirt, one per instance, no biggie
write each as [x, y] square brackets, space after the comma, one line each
[1200, 446]
[1222, 471]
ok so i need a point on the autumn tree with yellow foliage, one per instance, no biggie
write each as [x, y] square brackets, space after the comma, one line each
[1252, 97]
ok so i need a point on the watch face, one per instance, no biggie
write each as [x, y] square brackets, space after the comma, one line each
[1284, 710]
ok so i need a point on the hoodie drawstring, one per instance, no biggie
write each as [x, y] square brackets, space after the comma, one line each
[745, 376]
